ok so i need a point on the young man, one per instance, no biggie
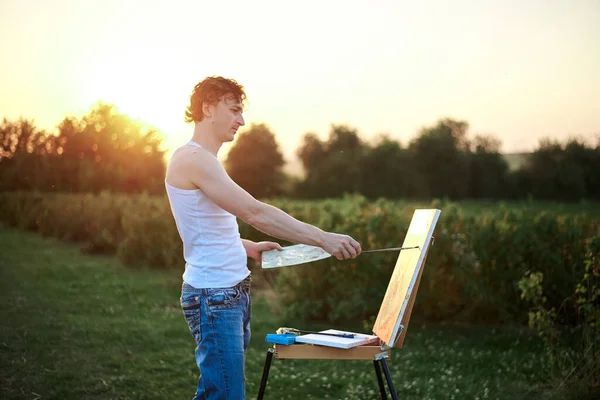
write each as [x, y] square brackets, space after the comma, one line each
[205, 202]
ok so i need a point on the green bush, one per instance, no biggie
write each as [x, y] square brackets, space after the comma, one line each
[150, 236]
[573, 351]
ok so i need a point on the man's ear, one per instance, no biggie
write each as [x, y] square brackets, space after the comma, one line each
[207, 109]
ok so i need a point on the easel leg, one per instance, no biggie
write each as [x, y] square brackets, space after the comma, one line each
[263, 382]
[379, 380]
[388, 378]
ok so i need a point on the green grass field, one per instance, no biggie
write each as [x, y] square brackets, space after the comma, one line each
[76, 326]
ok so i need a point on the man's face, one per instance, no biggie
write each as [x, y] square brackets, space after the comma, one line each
[228, 117]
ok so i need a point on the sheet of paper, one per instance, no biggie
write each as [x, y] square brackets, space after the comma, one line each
[292, 255]
[333, 341]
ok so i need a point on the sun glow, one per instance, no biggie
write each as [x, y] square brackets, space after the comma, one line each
[145, 90]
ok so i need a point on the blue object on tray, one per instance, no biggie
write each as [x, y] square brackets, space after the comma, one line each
[285, 338]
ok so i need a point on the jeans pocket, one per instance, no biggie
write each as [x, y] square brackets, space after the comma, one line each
[191, 312]
[219, 299]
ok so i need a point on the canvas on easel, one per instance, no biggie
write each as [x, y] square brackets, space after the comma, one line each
[396, 308]
[394, 314]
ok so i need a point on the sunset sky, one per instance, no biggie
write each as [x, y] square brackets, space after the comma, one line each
[520, 70]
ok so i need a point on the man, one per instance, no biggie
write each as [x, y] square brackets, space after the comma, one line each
[205, 202]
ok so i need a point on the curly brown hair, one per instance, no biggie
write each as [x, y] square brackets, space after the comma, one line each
[210, 90]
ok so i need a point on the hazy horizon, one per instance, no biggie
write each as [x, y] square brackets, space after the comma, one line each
[518, 71]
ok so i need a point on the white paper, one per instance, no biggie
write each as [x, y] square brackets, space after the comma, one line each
[334, 341]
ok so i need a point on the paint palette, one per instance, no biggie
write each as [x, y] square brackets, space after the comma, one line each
[292, 255]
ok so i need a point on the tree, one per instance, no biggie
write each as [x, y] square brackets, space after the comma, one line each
[488, 170]
[332, 167]
[255, 162]
[312, 154]
[587, 160]
[441, 158]
[22, 147]
[388, 170]
[107, 150]
[20, 137]
[566, 171]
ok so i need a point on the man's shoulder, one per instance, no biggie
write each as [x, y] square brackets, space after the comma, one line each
[194, 161]
[189, 155]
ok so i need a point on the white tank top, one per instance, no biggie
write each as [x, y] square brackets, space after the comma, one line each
[212, 247]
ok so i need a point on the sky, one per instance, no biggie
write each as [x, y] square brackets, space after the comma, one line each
[518, 70]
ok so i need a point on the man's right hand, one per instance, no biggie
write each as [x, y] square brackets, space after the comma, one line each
[340, 246]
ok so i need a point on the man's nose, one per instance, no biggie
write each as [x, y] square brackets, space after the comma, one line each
[241, 121]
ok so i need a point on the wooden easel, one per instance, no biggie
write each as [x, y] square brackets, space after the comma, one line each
[376, 353]
[309, 351]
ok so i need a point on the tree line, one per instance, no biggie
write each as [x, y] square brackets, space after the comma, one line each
[106, 150]
[103, 150]
[441, 161]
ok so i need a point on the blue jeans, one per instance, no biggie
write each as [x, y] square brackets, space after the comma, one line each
[219, 320]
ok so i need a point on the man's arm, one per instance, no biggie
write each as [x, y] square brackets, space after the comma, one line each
[208, 175]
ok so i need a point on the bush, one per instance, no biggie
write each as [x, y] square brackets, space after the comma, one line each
[481, 250]
[573, 350]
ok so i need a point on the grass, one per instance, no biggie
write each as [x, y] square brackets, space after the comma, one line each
[76, 326]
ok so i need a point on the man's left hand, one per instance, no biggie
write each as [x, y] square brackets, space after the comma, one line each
[255, 252]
